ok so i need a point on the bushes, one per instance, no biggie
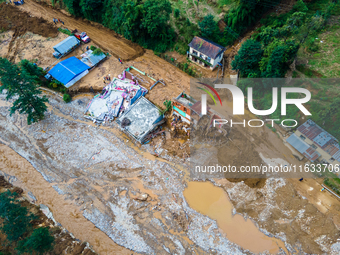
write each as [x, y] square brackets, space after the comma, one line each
[67, 98]
[40, 241]
[97, 52]
[65, 31]
[332, 184]
[17, 225]
[176, 13]
[16, 217]
[93, 48]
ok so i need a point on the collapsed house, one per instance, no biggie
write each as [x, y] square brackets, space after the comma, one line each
[124, 99]
[68, 71]
[141, 119]
[65, 46]
[182, 106]
[115, 98]
[190, 112]
[92, 60]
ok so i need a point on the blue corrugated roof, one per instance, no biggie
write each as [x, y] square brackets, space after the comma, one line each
[66, 45]
[92, 60]
[66, 70]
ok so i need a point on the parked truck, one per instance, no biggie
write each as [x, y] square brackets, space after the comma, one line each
[81, 36]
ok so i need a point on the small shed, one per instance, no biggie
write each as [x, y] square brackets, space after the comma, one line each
[92, 60]
[69, 71]
[65, 46]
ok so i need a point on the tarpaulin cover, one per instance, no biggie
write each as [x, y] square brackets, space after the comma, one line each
[68, 69]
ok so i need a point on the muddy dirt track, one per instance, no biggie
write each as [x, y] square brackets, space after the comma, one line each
[11, 18]
[105, 38]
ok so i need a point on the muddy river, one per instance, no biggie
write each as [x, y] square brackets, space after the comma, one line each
[212, 201]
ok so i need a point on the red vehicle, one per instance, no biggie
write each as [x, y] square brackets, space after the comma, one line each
[81, 36]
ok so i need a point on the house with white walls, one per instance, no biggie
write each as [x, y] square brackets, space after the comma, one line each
[205, 52]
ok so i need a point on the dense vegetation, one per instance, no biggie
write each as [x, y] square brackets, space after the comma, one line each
[18, 228]
[143, 22]
[21, 81]
[273, 48]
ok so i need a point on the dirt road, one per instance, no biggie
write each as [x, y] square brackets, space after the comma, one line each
[105, 38]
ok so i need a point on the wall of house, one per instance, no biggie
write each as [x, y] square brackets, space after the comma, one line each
[184, 112]
[212, 61]
[218, 59]
[199, 55]
[324, 155]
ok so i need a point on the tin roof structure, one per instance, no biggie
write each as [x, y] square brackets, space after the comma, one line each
[207, 47]
[321, 138]
[303, 147]
[185, 100]
[65, 45]
[143, 116]
[92, 60]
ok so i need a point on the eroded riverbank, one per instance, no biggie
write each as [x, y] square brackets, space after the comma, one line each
[136, 199]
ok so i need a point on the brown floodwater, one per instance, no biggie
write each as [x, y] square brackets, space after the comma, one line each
[213, 201]
[64, 211]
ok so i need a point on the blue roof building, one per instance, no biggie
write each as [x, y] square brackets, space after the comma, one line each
[66, 46]
[69, 71]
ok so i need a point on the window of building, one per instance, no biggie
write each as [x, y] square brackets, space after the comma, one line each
[208, 59]
[302, 137]
[184, 109]
[194, 52]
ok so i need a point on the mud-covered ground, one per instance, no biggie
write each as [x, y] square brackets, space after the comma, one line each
[137, 199]
[101, 172]
[64, 242]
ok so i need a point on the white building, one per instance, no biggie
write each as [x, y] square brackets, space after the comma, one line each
[205, 52]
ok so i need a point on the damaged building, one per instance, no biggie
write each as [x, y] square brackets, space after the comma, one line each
[141, 119]
[123, 98]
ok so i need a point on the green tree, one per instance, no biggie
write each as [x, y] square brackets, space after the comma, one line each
[39, 241]
[156, 18]
[92, 9]
[16, 218]
[97, 52]
[248, 58]
[67, 98]
[73, 7]
[176, 13]
[209, 28]
[300, 6]
[312, 25]
[31, 69]
[277, 57]
[17, 81]
[130, 26]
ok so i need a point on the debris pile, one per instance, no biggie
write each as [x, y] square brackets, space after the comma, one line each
[115, 99]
